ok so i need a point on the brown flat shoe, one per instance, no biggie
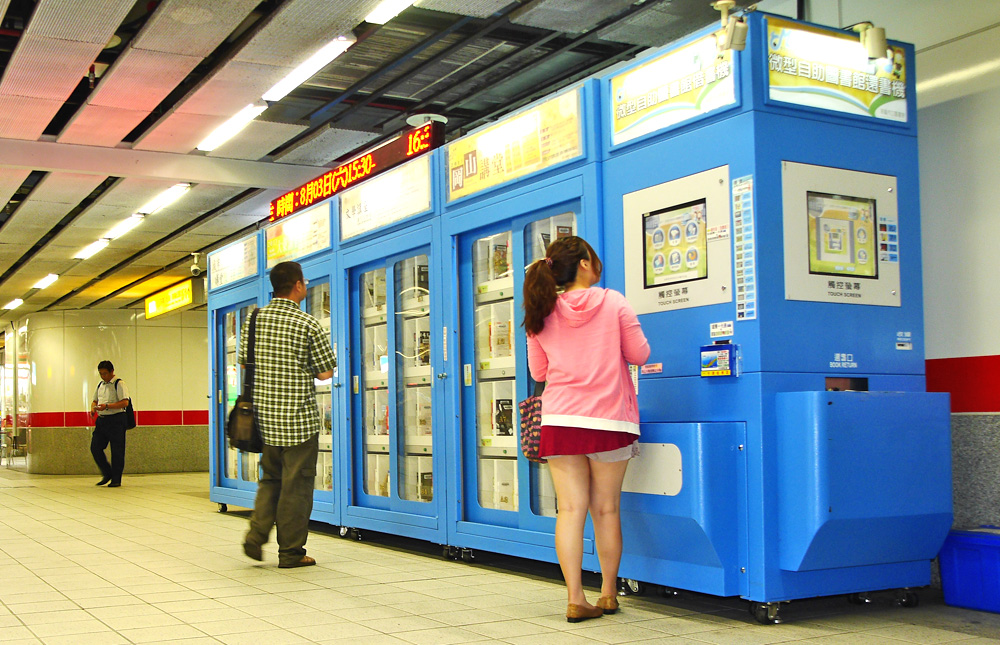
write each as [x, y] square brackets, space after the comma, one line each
[608, 603]
[306, 561]
[576, 613]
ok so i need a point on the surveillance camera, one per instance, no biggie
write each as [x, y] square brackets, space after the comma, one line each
[195, 270]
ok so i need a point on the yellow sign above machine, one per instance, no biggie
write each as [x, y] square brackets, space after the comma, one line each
[183, 295]
[527, 142]
[829, 70]
[678, 86]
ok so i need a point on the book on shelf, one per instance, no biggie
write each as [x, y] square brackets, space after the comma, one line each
[423, 348]
[500, 265]
[546, 239]
[500, 338]
[504, 417]
[422, 279]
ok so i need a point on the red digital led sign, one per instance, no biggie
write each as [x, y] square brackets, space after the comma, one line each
[407, 146]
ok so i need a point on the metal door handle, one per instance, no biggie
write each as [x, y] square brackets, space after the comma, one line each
[443, 375]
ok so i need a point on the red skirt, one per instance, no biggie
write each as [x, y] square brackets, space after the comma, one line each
[564, 440]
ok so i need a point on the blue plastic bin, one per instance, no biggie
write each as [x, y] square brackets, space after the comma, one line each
[970, 569]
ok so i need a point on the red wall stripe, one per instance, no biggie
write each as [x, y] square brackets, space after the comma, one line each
[142, 417]
[973, 381]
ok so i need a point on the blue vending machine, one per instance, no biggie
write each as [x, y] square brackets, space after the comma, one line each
[394, 440]
[234, 290]
[762, 217]
[512, 188]
[305, 238]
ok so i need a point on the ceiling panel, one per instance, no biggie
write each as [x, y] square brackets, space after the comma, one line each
[232, 88]
[46, 68]
[22, 117]
[572, 16]
[101, 217]
[226, 224]
[258, 205]
[313, 24]
[10, 180]
[257, 140]
[160, 258]
[97, 125]
[75, 237]
[65, 187]
[57, 253]
[190, 243]
[88, 21]
[179, 132]
[325, 145]
[23, 234]
[140, 79]
[36, 214]
[199, 199]
[136, 240]
[476, 8]
[133, 193]
[192, 27]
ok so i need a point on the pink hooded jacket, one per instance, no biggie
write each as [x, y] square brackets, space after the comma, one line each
[583, 354]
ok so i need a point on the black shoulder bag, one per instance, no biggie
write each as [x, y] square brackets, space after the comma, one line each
[242, 427]
[129, 410]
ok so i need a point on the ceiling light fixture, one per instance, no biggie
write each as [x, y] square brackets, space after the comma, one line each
[232, 127]
[46, 281]
[125, 226]
[14, 304]
[167, 197]
[308, 69]
[387, 10]
[92, 249]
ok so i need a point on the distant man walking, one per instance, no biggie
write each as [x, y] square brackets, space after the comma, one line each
[110, 401]
[291, 349]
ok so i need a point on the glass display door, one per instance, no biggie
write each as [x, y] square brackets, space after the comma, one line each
[237, 469]
[393, 392]
[492, 355]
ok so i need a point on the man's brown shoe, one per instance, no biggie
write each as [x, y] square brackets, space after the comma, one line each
[608, 603]
[576, 613]
[306, 561]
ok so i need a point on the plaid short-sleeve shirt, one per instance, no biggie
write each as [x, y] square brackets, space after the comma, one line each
[291, 348]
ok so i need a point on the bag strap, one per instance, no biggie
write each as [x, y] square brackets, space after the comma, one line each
[117, 381]
[539, 388]
[250, 367]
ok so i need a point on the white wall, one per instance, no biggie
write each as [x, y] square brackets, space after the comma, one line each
[164, 361]
[960, 219]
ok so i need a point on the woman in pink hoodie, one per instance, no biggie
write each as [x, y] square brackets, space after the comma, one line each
[581, 340]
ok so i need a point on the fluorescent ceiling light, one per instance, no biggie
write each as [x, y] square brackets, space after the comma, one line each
[46, 281]
[232, 127]
[308, 69]
[92, 249]
[14, 304]
[387, 10]
[124, 227]
[169, 196]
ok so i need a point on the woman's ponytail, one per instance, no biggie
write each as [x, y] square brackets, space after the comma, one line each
[545, 277]
[539, 295]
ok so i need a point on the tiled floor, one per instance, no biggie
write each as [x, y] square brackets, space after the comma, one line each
[153, 562]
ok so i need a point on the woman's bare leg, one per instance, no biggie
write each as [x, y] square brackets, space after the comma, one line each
[571, 476]
[605, 497]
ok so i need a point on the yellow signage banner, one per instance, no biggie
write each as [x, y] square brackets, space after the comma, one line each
[680, 85]
[822, 69]
[525, 143]
[174, 298]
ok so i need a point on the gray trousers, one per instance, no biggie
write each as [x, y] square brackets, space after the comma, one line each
[285, 498]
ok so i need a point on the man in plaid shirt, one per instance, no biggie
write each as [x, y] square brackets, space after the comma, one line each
[291, 349]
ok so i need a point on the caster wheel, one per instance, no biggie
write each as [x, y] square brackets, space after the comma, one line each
[630, 587]
[765, 613]
[468, 555]
[859, 598]
[344, 531]
[908, 599]
[668, 592]
[223, 508]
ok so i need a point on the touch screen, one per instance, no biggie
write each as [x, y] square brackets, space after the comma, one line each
[842, 238]
[675, 245]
